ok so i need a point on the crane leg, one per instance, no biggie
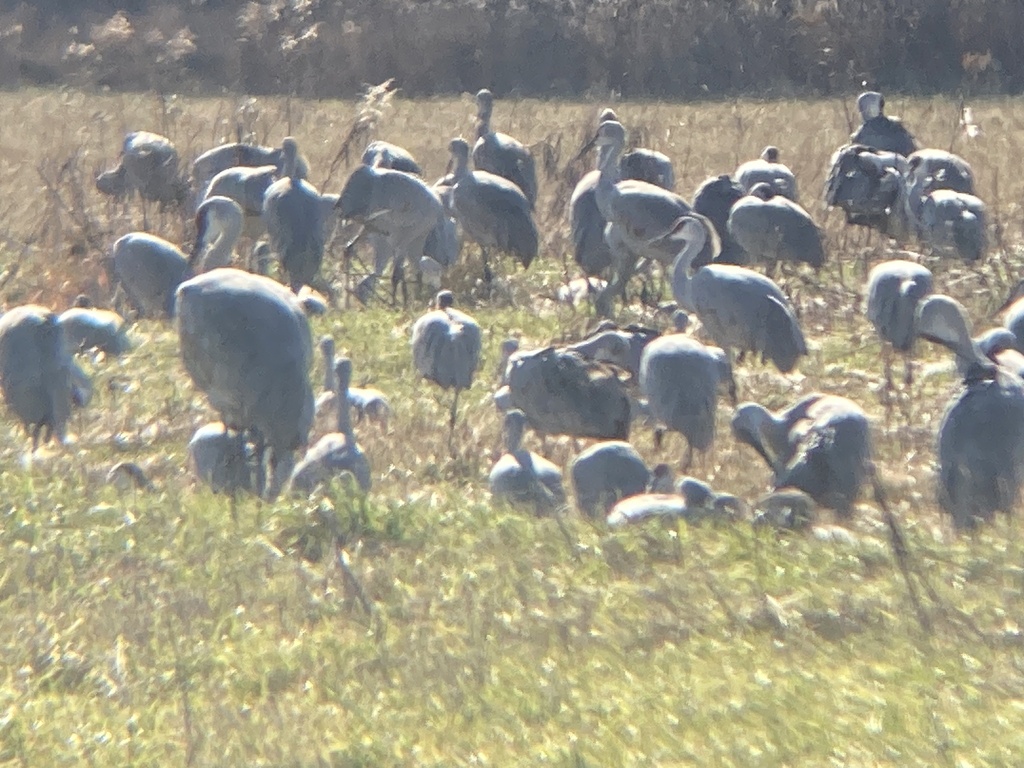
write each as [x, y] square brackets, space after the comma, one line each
[451, 421]
[688, 457]
[488, 274]
[659, 438]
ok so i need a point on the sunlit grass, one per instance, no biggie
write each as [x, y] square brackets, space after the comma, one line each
[174, 627]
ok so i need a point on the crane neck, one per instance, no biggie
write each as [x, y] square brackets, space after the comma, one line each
[222, 249]
[607, 192]
[344, 425]
[682, 282]
[460, 166]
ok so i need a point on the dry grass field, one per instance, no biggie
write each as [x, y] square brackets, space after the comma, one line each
[173, 627]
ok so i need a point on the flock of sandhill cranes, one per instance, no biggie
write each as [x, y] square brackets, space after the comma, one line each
[245, 337]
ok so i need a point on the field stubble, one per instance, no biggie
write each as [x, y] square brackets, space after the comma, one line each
[174, 626]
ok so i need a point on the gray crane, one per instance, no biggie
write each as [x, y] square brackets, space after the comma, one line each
[953, 224]
[605, 473]
[446, 349]
[638, 214]
[293, 214]
[820, 445]
[219, 222]
[398, 207]
[245, 343]
[1013, 314]
[562, 393]
[499, 153]
[148, 166]
[680, 377]
[643, 164]
[221, 460]
[691, 500]
[337, 452]
[981, 437]
[367, 403]
[523, 477]
[37, 373]
[738, 307]
[247, 186]
[382, 154]
[492, 211]
[894, 290]
[878, 130]
[714, 200]
[236, 154]
[870, 187]
[768, 170]
[999, 345]
[773, 229]
[623, 347]
[85, 327]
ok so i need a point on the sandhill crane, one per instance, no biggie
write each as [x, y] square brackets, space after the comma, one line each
[773, 229]
[37, 374]
[499, 153]
[492, 211]
[879, 131]
[218, 159]
[148, 166]
[383, 154]
[523, 477]
[86, 327]
[245, 343]
[820, 445]
[981, 437]
[446, 349]
[768, 170]
[638, 213]
[870, 187]
[221, 460]
[148, 269]
[337, 452]
[680, 378]
[218, 226]
[605, 473]
[894, 289]
[691, 500]
[953, 223]
[396, 205]
[714, 200]
[738, 307]
[366, 402]
[643, 164]
[577, 290]
[247, 186]
[293, 215]
[563, 393]
[608, 343]
[1013, 317]
[1000, 346]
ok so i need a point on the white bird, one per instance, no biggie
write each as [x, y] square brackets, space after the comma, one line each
[738, 307]
[773, 229]
[605, 473]
[492, 211]
[37, 373]
[338, 452]
[245, 343]
[499, 153]
[680, 377]
[981, 437]
[894, 290]
[446, 349]
[86, 327]
[221, 460]
[767, 169]
[820, 445]
[523, 477]
[293, 214]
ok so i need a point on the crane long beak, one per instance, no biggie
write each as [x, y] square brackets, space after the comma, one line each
[585, 149]
[1016, 293]
[448, 167]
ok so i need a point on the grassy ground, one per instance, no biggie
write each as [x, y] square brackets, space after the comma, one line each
[173, 627]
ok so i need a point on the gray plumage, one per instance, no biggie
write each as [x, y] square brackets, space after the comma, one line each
[446, 348]
[768, 170]
[1013, 317]
[492, 211]
[1000, 346]
[149, 270]
[218, 226]
[366, 403]
[338, 452]
[643, 164]
[523, 477]
[148, 166]
[293, 216]
[622, 347]
[86, 327]
[590, 250]
[500, 154]
[772, 228]
[714, 200]
[247, 186]
[954, 224]
[221, 460]
[869, 186]
[680, 378]
[382, 154]
[879, 131]
[894, 289]
[692, 501]
[740, 309]
[981, 437]
[245, 343]
[820, 445]
[233, 155]
[562, 393]
[605, 473]
[37, 374]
